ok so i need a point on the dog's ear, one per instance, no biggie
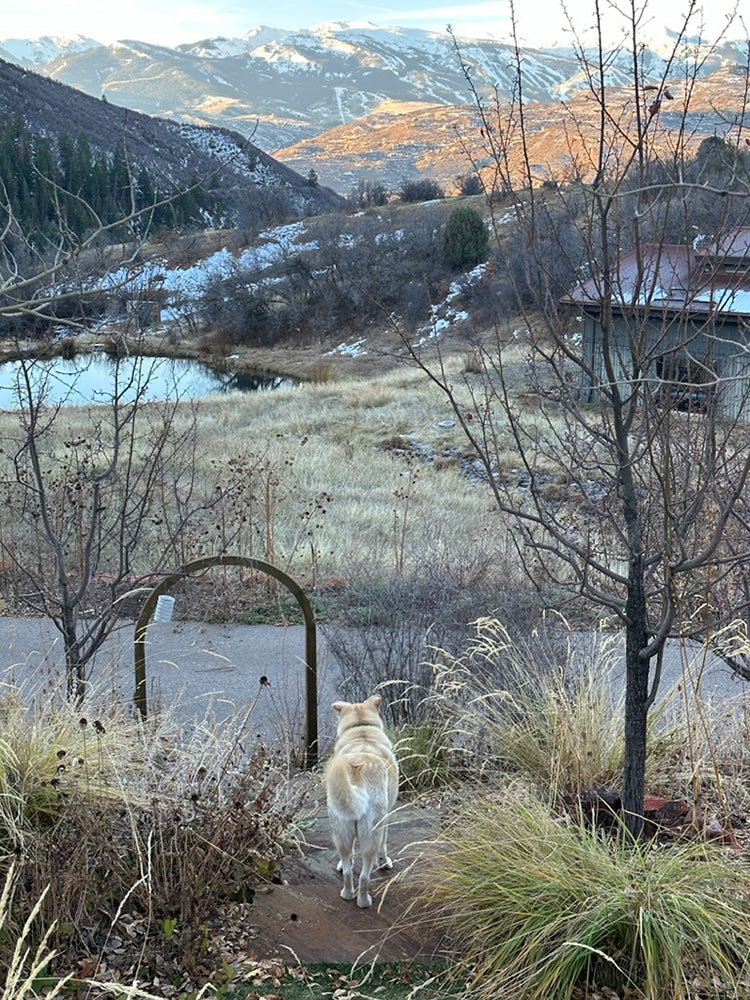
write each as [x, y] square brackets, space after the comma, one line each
[375, 700]
[338, 705]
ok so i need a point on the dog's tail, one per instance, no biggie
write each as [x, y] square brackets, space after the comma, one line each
[353, 783]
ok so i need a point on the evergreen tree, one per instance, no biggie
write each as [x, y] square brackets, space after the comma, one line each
[46, 184]
[66, 158]
[465, 238]
[120, 180]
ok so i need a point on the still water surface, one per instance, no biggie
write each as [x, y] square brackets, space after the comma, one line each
[95, 378]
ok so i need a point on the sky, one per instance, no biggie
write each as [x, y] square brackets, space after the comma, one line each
[172, 22]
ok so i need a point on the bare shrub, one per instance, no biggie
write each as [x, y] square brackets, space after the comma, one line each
[142, 835]
[361, 271]
[369, 194]
[241, 310]
[389, 628]
[165, 864]
[419, 189]
[469, 184]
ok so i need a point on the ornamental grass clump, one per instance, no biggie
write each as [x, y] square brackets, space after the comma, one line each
[50, 750]
[568, 737]
[548, 712]
[539, 907]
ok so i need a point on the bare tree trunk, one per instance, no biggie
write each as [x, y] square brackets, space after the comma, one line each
[75, 668]
[616, 344]
[636, 699]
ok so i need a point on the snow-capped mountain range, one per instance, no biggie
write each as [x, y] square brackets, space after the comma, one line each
[283, 88]
[37, 51]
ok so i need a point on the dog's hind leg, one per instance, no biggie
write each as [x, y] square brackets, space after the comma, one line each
[340, 865]
[370, 840]
[363, 890]
[382, 860]
[343, 838]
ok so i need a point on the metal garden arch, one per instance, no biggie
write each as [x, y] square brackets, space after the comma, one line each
[311, 648]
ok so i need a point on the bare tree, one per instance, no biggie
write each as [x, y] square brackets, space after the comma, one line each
[82, 522]
[630, 436]
[80, 510]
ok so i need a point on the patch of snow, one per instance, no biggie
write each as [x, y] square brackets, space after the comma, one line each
[397, 235]
[735, 300]
[227, 48]
[339, 92]
[509, 216]
[282, 55]
[354, 350]
[186, 284]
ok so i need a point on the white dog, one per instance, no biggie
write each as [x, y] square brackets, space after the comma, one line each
[361, 789]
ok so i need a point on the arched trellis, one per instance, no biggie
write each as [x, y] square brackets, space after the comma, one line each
[311, 648]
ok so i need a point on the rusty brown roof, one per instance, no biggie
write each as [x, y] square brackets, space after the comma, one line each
[675, 277]
[732, 246]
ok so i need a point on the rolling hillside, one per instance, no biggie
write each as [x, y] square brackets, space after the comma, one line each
[246, 180]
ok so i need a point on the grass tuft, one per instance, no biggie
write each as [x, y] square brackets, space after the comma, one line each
[542, 906]
[26, 961]
[423, 758]
[548, 711]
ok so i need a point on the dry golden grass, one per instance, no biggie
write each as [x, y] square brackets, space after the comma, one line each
[338, 471]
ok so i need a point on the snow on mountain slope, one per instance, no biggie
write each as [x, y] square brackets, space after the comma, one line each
[37, 51]
[290, 85]
[281, 88]
[228, 48]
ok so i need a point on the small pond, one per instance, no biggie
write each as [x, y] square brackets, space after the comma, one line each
[95, 378]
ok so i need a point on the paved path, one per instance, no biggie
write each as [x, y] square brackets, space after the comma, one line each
[192, 668]
[306, 917]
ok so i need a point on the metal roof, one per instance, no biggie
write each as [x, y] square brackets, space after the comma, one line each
[676, 277]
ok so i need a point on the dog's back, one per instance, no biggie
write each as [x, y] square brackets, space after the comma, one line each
[361, 788]
[358, 784]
